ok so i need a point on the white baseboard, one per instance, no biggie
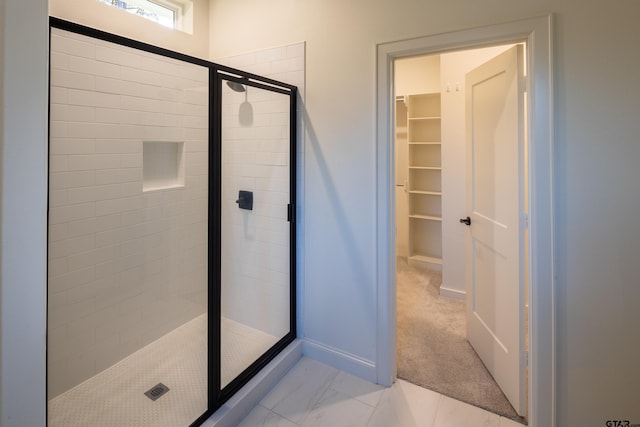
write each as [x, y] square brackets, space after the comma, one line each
[452, 293]
[239, 406]
[340, 360]
[424, 265]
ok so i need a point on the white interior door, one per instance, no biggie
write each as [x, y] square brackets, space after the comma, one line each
[495, 290]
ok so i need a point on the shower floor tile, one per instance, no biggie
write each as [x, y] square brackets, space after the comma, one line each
[241, 346]
[115, 397]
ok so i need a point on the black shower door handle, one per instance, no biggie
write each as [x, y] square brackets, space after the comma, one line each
[466, 221]
[245, 200]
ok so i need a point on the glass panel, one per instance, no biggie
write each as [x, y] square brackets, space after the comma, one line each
[163, 15]
[255, 230]
[128, 247]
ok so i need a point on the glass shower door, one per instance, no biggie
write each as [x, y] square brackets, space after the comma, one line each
[256, 225]
[128, 223]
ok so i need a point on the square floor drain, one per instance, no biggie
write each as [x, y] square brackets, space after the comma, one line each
[157, 392]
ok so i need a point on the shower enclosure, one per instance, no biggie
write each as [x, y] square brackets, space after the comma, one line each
[171, 278]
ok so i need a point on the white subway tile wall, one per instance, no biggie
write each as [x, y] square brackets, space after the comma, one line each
[255, 285]
[255, 246]
[125, 266]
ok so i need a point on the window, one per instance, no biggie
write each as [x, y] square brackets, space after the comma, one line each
[169, 13]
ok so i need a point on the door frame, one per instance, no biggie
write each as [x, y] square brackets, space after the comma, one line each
[536, 33]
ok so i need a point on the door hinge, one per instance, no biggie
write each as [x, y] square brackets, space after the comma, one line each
[291, 213]
[524, 221]
[525, 358]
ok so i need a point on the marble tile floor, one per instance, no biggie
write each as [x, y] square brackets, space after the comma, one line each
[314, 394]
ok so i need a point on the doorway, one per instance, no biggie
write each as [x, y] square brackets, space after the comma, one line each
[431, 180]
[535, 33]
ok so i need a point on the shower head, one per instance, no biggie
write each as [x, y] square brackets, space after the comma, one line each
[236, 86]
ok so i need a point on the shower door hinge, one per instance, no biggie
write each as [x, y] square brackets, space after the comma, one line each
[525, 358]
[291, 212]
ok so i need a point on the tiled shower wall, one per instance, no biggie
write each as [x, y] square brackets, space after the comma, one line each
[126, 266]
[255, 243]
[255, 251]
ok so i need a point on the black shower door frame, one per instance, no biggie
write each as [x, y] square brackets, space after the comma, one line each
[218, 395]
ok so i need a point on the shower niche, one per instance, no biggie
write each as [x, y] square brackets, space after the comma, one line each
[162, 165]
[164, 297]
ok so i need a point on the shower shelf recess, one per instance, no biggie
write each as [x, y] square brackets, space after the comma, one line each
[162, 165]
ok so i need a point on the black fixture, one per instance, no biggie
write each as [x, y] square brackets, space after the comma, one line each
[466, 221]
[237, 87]
[245, 200]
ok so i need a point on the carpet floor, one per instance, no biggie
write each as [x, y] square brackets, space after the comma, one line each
[432, 348]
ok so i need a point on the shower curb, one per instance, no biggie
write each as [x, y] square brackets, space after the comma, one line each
[239, 406]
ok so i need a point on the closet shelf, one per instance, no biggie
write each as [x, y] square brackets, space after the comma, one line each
[423, 118]
[426, 168]
[427, 217]
[423, 166]
[430, 193]
[423, 258]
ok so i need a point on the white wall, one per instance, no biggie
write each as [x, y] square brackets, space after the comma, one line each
[596, 153]
[416, 75]
[106, 18]
[126, 264]
[23, 139]
[454, 67]
[401, 163]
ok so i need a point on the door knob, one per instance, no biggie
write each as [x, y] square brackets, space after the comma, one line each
[466, 221]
